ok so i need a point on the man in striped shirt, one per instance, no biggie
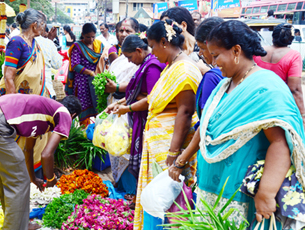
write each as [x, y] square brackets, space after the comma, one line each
[30, 116]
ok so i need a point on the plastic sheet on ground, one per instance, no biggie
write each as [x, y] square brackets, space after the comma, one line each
[113, 192]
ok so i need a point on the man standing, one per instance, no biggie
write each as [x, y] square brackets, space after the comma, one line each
[106, 38]
[51, 57]
[30, 116]
[14, 30]
[196, 18]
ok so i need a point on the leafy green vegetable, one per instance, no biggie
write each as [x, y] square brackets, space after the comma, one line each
[207, 218]
[99, 82]
[62, 207]
[77, 150]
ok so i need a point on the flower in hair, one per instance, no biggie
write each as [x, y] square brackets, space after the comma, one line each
[142, 35]
[170, 32]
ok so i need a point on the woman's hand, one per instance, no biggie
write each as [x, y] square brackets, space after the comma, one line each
[174, 173]
[110, 87]
[265, 205]
[121, 110]
[110, 107]
[170, 160]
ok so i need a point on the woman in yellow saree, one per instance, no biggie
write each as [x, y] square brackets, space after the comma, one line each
[171, 109]
[24, 70]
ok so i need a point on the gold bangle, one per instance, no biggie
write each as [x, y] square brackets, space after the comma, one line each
[53, 178]
[173, 154]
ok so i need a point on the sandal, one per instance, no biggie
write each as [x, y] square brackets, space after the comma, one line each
[33, 226]
[129, 197]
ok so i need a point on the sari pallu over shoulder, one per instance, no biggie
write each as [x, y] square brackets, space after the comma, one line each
[30, 78]
[170, 84]
[262, 101]
[93, 56]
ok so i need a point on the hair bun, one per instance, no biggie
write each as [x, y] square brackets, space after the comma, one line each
[20, 18]
[175, 26]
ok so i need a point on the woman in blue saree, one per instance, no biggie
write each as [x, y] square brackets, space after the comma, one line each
[84, 59]
[250, 116]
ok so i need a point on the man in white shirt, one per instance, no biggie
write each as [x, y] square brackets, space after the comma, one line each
[14, 30]
[51, 57]
[106, 38]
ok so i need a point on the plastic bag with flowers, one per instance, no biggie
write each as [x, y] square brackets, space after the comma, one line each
[118, 137]
[102, 124]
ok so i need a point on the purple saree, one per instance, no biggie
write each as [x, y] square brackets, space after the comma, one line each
[142, 82]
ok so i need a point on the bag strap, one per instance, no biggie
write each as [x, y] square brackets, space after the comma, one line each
[272, 225]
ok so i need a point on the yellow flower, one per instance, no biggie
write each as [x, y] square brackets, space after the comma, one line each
[292, 198]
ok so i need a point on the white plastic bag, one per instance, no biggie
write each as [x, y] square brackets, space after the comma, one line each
[159, 195]
[118, 137]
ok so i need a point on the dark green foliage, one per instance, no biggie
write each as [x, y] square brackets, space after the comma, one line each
[77, 150]
[208, 218]
[99, 83]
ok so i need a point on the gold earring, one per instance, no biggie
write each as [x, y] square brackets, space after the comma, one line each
[164, 47]
[236, 61]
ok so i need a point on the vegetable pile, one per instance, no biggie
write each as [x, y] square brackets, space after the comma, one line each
[100, 213]
[82, 179]
[60, 208]
[99, 83]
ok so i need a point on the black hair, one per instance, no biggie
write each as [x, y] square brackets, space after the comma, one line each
[88, 28]
[104, 24]
[7, 31]
[14, 25]
[282, 35]
[117, 26]
[234, 32]
[134, 23]
[72, 104]
[132, 42]
[206, 27]
[297, 31]
[270, 13]
[180, 14]
[198, 13]
[143, 27]
[157, 31]
[68, 29]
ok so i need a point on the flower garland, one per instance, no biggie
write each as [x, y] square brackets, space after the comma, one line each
[3, 20]
[100, 213]
[82, 179]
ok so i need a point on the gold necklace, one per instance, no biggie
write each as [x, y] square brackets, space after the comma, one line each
[241, 80]
[176, 57]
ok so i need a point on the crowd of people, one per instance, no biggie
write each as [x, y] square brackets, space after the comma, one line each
[203, 97]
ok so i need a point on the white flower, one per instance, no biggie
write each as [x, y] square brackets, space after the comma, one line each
[170, 32]
[44, 197]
